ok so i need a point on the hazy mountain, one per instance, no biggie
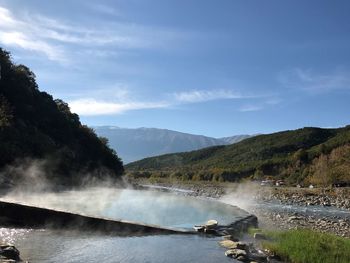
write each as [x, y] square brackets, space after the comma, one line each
[136, 144]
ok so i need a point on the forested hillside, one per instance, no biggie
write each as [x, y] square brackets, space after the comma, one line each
[34, 126]
[308, 155]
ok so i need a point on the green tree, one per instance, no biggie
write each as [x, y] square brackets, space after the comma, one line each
[34, 125]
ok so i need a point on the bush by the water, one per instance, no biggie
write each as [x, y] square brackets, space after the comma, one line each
[35, 126]
[307, 246]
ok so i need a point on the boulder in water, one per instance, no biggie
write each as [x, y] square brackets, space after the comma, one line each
[199, 228]
[211, 224]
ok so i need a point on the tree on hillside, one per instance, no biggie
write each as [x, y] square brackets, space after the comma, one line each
[34, 125]
[332, 168]
[5, 112]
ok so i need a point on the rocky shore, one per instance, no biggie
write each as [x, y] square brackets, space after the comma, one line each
[202, 189]
[336, 197]
[257, 199]
[285, 221]
[249, 252]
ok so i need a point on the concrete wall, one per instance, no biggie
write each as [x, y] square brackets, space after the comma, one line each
[19, 215]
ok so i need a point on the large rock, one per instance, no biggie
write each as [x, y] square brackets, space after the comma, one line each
[235, 253]
[232, 245]
[8, 252]
[230, 237]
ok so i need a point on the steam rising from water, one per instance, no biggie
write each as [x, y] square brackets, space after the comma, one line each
[152, 207]
[242, 195]
[38, 175]
[25, 175]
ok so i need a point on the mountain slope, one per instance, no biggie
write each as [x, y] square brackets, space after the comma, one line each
[35, 126]
[136, 144]
[291, 155]
[235, 139]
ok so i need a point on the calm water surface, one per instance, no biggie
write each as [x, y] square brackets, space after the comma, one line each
[58, 246]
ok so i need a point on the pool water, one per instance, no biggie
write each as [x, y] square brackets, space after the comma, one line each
[153, 207]
[42, 246]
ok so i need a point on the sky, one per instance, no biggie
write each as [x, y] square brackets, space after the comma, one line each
[216, 68]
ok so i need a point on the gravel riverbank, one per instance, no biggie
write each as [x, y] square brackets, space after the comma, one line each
[335, 197]
[333, 206]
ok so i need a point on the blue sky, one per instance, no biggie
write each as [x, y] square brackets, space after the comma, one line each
[216, 68]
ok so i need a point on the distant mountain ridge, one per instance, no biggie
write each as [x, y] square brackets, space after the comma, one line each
[139, 143]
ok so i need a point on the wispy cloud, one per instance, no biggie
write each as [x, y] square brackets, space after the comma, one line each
[261, 103]
[18, 33]
[310, 81]
[250, 107]
[195, 96]
[120, 100]
[273, 101]
[116, 92]
[92, 107]
[54, 38]
[114, 99]
[103, 9]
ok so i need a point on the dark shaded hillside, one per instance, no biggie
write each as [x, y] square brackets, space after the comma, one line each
[136, 144]
[292, 155]
[34, 125]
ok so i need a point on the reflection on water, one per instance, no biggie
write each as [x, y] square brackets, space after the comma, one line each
[68, 247]
[152, 207]
[11, 235]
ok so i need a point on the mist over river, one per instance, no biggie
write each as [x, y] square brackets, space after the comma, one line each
[151, 207]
